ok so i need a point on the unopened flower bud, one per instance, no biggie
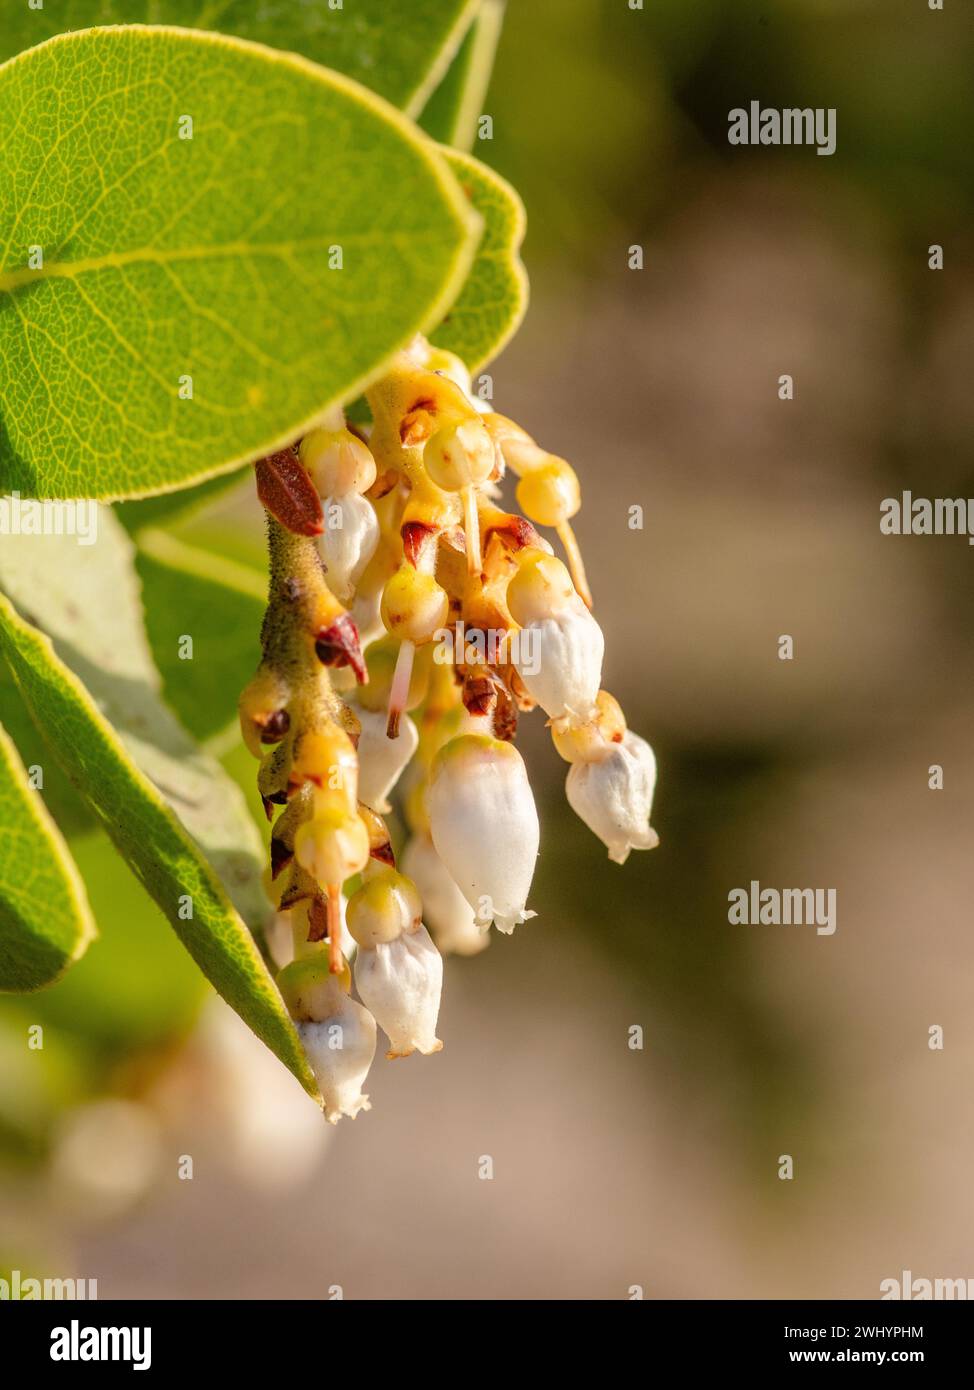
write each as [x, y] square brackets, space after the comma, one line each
[414, 607]
[549, 494]
[446, 911]
[332, 847]
[327, 759]
[348, 541]
[309, 990]
[459, 455]
[338, 462]
[485, 826]
[400, 983]
[383, 908]
[540, 587]
[381, 760]
[614, 796]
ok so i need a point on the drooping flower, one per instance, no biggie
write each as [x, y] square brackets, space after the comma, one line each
[340, 1049]
[332, 847]
[398, 970]
[348, 541]
[485, 826]
[559, 650]
[337, 1033]
[613, 795]
[382, 759]
[341, 467]
[400, 983]
[446, 911]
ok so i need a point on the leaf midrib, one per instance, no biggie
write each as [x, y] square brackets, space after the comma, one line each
[13, 280]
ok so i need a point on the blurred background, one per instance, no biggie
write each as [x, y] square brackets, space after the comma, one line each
[657, 1167]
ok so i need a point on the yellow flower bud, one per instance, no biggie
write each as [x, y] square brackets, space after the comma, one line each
[414, 607]
[338, 462]
[328, 760]
[549, 494]
[383, 909]
[460, 455]
[332, 847]
[310, 990]
[541, 587]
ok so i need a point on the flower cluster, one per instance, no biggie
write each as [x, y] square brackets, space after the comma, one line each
[381, 541]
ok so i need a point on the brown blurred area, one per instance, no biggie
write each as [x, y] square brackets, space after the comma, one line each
[658, 1167]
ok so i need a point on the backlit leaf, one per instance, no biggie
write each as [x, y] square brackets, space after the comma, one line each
[494, 298]
[398, 48]
[171, 307]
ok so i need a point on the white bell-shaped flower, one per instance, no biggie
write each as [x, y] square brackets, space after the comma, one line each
[559, 648]
[485, 826]
[400, 983]
[559, 659]
[348, 541]
[446, 911]
[340, 1048]
[381, 760]
[613, 795]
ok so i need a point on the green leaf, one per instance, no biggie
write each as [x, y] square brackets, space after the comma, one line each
[209, 258]
[150, 838]
[452, 112]
[398, 48]
[494, 299]
[68, 808]
[45, 921]
[189, 592]
[86, 598]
